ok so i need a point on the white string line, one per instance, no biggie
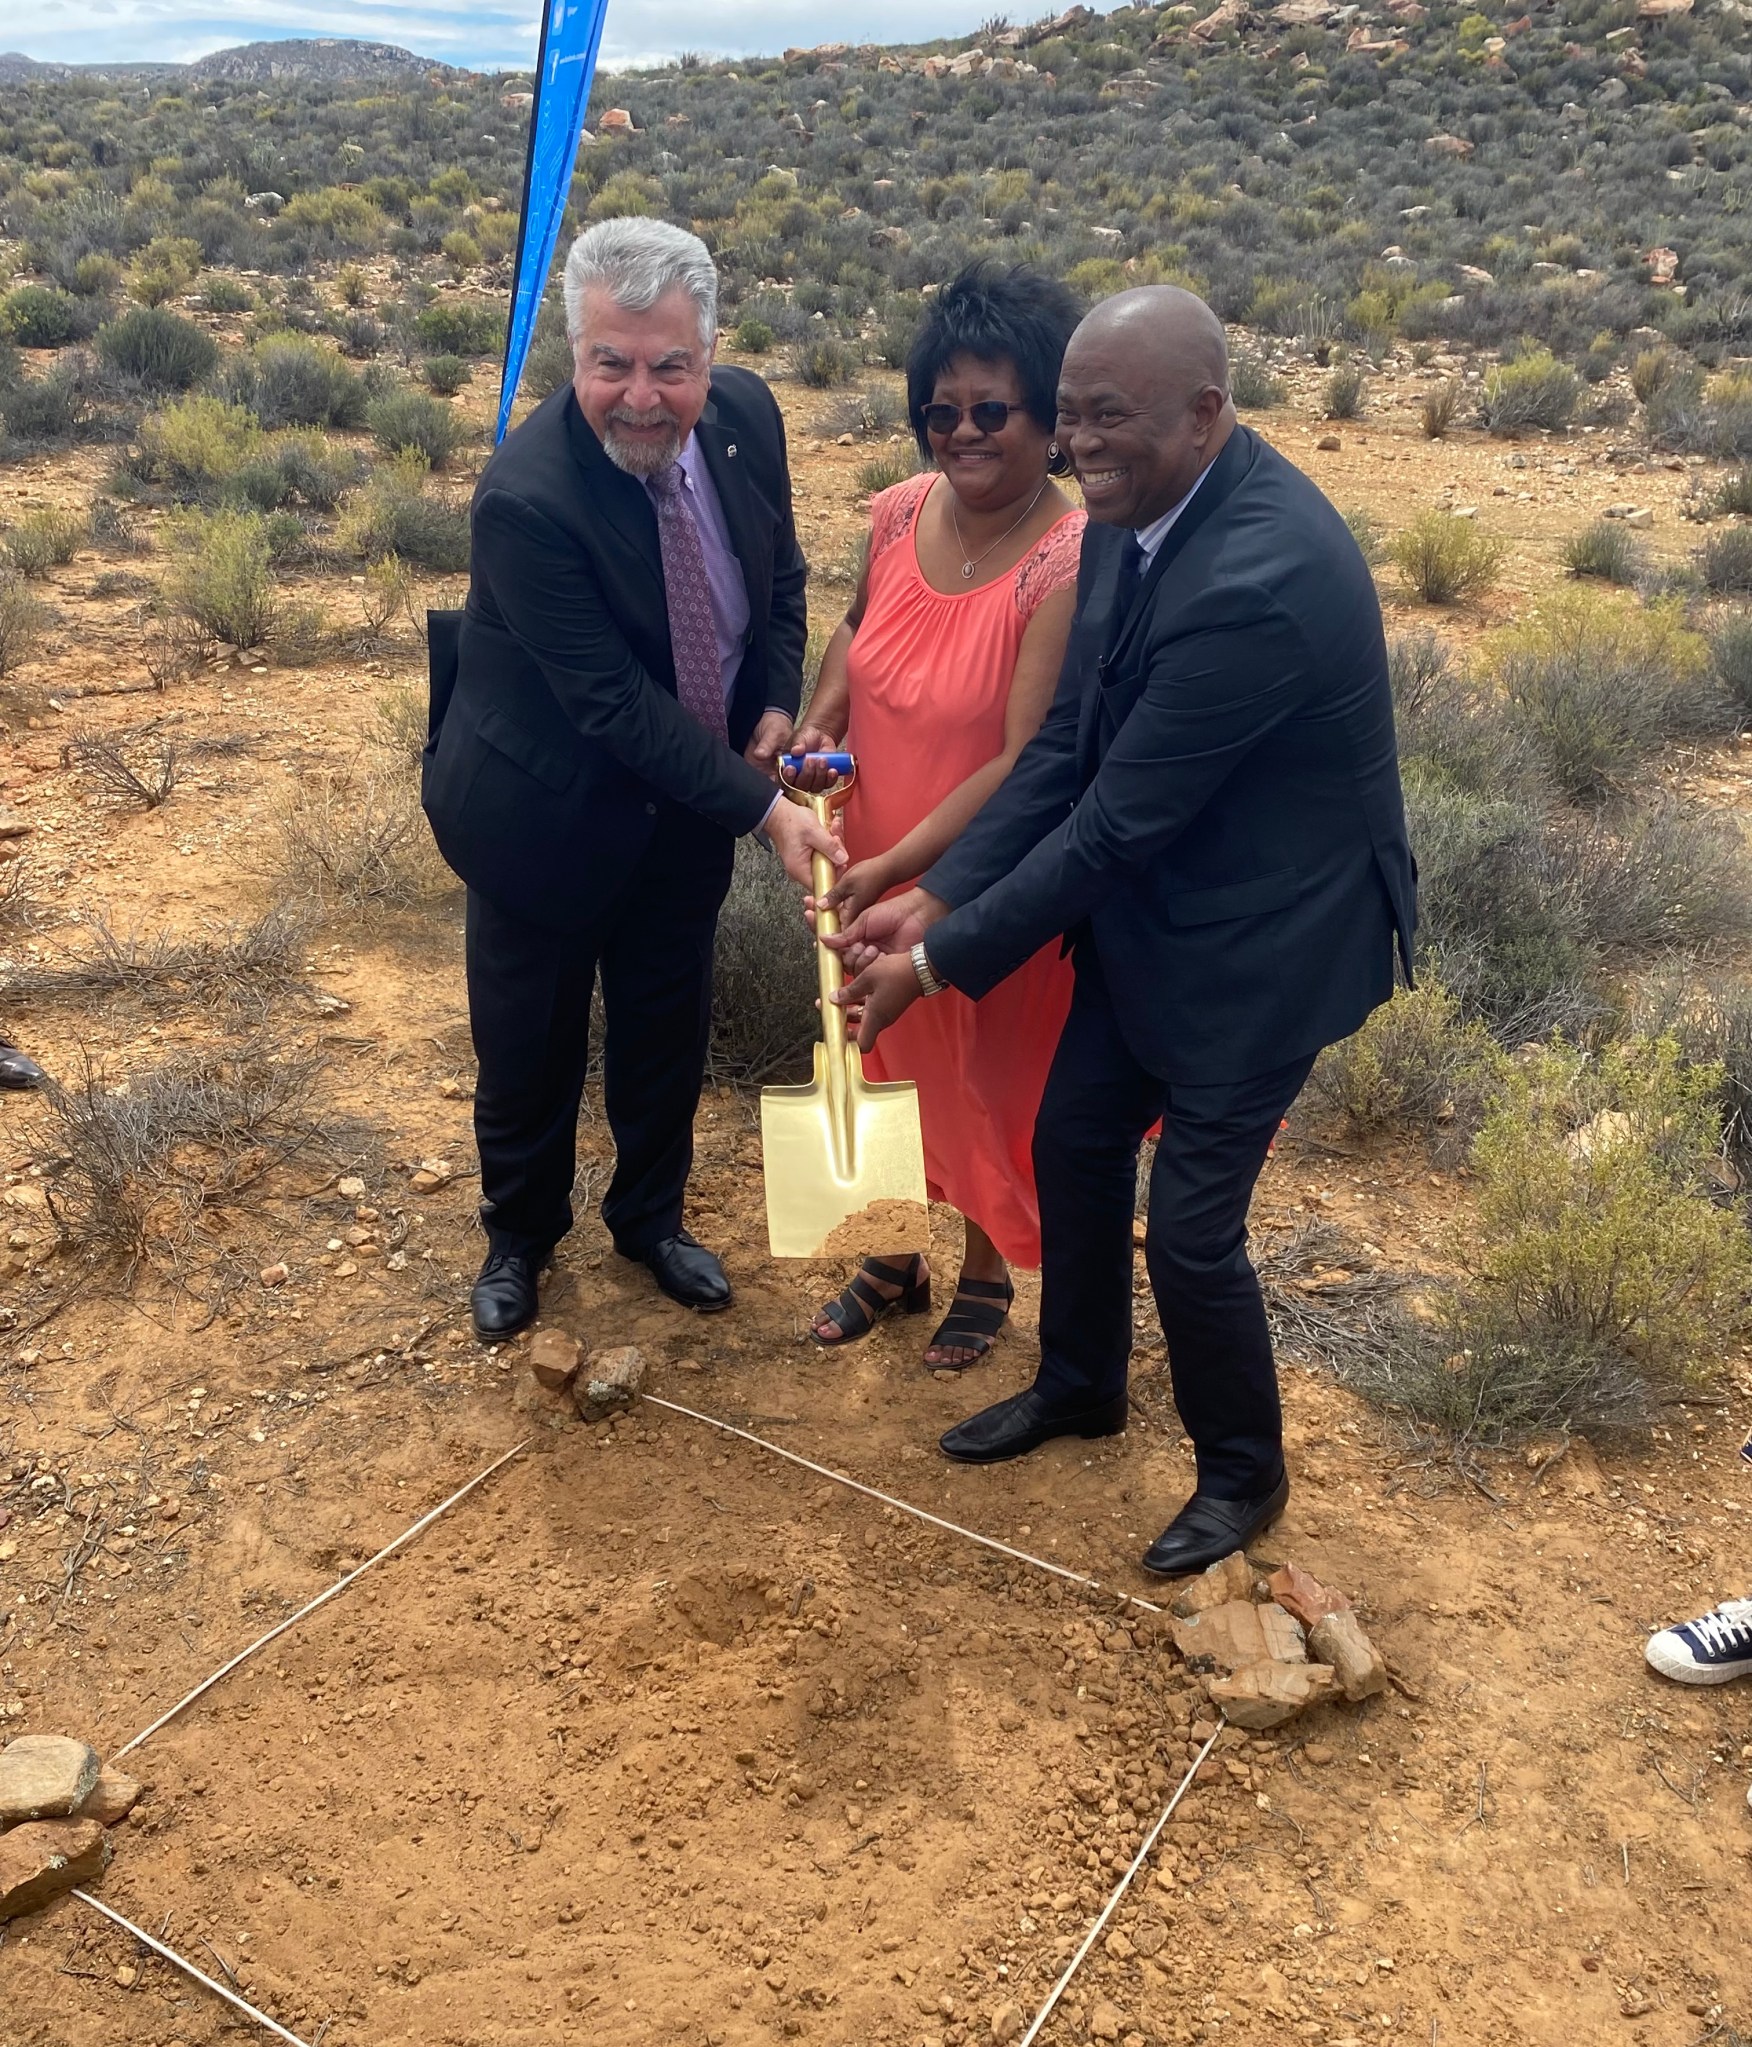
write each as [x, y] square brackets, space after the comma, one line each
[1022, 1556]
[322, 1598]
[188, 1968]
[1094, 1934]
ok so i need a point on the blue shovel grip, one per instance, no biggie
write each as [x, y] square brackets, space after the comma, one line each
[835, 763]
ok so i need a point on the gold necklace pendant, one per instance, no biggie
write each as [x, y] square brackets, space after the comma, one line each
[967, 572]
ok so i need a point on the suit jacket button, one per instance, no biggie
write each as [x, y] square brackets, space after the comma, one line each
[650, 810]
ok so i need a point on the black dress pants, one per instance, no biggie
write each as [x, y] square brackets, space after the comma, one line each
[1098, 1105]
[529, 994]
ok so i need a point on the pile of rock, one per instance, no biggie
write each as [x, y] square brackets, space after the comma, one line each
[558, 1387]
[57, 1804]
[1267, 1647]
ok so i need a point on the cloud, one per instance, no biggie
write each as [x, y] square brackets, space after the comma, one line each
[484, 36]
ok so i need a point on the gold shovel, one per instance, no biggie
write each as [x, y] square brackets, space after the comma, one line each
[843, 1156]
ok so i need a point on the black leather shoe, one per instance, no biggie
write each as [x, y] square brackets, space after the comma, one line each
[504, 1299]
[1206, 1530]
[687, 1272]
[18, 1071]
[1022, 1423]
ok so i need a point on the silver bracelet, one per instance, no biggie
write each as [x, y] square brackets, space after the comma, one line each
[929, 984]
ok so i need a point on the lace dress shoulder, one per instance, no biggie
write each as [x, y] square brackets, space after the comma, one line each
[893, 511]
[1052, 565]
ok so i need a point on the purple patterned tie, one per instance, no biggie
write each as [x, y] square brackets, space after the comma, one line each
[693, 638]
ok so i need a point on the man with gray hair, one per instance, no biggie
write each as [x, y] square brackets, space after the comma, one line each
[628, 668]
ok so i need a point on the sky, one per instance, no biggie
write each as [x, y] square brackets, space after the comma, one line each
[483, 34]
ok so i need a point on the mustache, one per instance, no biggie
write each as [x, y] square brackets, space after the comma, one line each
[626, 415]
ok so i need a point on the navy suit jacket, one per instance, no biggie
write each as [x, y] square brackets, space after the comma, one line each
[1213, 802]
[562, 735]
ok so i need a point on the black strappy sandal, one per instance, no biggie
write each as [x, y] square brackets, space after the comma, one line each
[974, 1321]
[858, 1310]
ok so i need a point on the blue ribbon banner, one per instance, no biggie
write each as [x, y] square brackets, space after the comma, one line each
[571, 34]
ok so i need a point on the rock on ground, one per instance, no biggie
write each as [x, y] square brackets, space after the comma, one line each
[1267, 1694]
[1284, 1640]
[43, 1858]
[554, 1357]
[611, 1381]
[1229, 1579]
[112, 1797]
[1301, 1593]
[45, 1776]
[1359, 1666]
[1225, 1637]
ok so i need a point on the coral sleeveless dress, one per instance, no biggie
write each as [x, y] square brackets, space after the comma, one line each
[930, 681]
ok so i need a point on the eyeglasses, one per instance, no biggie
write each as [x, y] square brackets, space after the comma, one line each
[989, 416]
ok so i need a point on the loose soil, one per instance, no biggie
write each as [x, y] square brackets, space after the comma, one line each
[657, 1738]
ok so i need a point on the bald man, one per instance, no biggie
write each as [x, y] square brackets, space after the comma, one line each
[1211, 815]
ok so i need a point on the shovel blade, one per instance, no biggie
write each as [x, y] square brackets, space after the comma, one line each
[846, 1193]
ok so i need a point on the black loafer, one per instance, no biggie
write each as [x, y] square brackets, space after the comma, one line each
[505, 1298]
[18, 1071]
[687, 1272]
[1022, 1423]
[1207, 1529]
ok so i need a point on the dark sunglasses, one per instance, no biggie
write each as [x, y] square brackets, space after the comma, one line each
[989, 416]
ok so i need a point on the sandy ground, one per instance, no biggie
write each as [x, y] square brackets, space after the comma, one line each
[659, 1739]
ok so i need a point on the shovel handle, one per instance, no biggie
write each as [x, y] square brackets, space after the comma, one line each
[830, 969]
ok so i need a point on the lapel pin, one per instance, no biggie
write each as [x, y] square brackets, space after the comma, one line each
[731, 449]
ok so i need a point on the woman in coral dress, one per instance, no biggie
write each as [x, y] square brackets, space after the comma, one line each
[940, 674]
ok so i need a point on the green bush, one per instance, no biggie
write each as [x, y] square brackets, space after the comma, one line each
[1346, 392]
[1535, 390]
[35, 316]
[290, 380]
[44, 540]
[24, 619]
[1605, 550]
[1416, 1062]
[445, 375]
[412, 419]
[763, 977]
[1730, 660]
[454, 327]
[160, 349]
[1252, 384]
[1444, 559]
[1365, 530]
[1657, 877]
[1733, 495]
[883, 471]
[222, 580]
[300, 464]
[752, 337]
[396, 514]
[1597, 685]
[222, 294]
[198, 445]
[1725, 562]
[164, 269]
[824, 363]
[49, 409]
[1650, 371]
[1595, 1255]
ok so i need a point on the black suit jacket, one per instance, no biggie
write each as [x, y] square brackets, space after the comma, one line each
[1213, 800]
[548, 768]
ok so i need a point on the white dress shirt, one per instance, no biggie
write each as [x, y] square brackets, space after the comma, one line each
[1151, 537]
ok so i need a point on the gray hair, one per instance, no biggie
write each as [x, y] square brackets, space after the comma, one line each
[638, 260]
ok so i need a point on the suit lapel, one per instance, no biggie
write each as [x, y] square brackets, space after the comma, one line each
[728, 470]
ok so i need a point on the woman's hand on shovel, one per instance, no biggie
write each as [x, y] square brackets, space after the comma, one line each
[886, 989]
[895, 926]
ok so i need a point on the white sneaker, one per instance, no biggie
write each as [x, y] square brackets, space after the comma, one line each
[1707, 1651]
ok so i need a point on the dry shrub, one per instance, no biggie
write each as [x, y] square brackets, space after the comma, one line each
[1416, 1061]
[196, 447]
[1605, 550]
[401, 729]
[1346, 392]
[249, 968]
[764, 983]
[142, 1166]
[356, 837]
[1444, 559]
[44, 540]
[884, 470]
[1730, 660]
[1597, 685]
[397, 514]
[1598, 1274]
[1656, 876]
[137, 767]
[1440, 408]
[1725, 562]
[23, 621]
[223, 581]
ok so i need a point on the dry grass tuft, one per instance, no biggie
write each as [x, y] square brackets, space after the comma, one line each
[245, 967]
[356, 837]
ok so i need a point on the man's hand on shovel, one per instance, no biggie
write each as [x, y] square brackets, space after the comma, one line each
[877, 950]
[796, 837]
